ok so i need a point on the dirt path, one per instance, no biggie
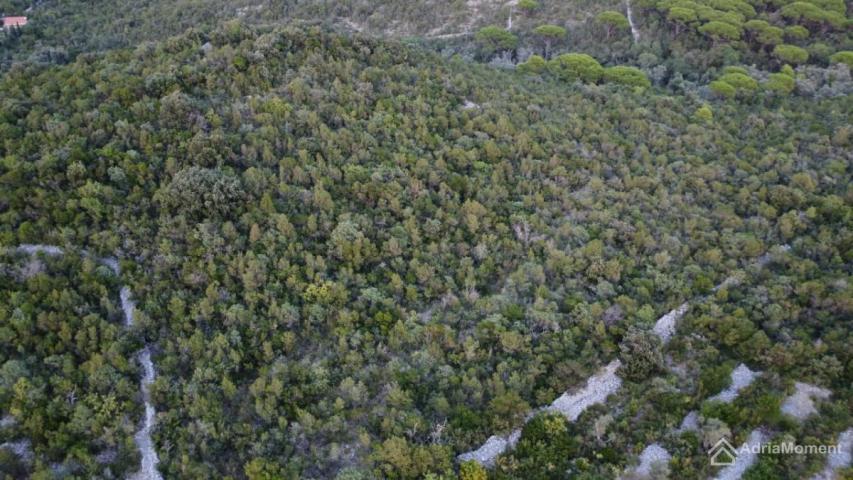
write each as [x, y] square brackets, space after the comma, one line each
[606, 382]
[634, 32]
[148, 468]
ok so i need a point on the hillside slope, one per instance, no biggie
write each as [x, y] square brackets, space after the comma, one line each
[353, 256]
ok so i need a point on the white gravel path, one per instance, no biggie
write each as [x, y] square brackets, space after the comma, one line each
[665, 326]
[840, 459]
[7, 421]
[34, 249]
[652, 455]
[630, 14]
[801, 403]
[22, 448]
[746, 457]
[148, 468]
[487, 453]
[742, 377]
[597, 389]
[690, 422]
[606, 382]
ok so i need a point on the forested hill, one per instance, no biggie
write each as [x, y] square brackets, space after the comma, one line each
[354, 258]
[670, 40]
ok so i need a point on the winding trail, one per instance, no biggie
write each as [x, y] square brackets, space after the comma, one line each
[746, 457]
[742, 377]
[801, 404]
[605, 382]
[634, 32]
[148, 468]
[838, 459]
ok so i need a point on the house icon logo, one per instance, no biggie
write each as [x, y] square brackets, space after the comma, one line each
[722, 453]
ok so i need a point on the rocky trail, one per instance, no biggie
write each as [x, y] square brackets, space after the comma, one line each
[606, 382]
[630, 14]
[148, 468]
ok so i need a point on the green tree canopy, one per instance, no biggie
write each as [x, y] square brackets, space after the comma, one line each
[791, 54]
[612, 21]
[528, 6]
[493, 39]
[576, 66]
[740, 81]
[534, 64]
[626, 76]
[721, 31]
[780, 83]
[723, 89]
[845, 57]
[548, 35]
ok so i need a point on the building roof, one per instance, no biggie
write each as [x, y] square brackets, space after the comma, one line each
[14, 21]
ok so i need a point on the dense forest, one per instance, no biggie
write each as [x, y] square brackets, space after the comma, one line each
[358, 257]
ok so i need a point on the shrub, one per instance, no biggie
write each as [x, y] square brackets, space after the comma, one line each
[740, 81]
[845, 57]
[704, 114]
[472, 470]
[790, 54]
[722, 89]
[528, 6]
[641, 355]
[733, 69]
[780, 83]
[626, 76]
[534, 64]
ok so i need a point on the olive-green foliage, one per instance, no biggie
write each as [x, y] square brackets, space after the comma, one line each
[472, 470]
[493, 39]
[764, 33]
[721, 30]
[723, 89]
[641, 355]
[810, 13]
[67, 374]
[682, 15]
[704, 114]
[845, 57]
[576, 66]
[735, 69]
[534, 64]
[759, 24]
[403, 272]
[790, 54]
[626, 76]
[553, 32]
[546, 446]
[796, 32]
[714, 378]
[740, 81]
[202, 192]
[612, 21]
[549, 34]
[528, 5]
[780, 83]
